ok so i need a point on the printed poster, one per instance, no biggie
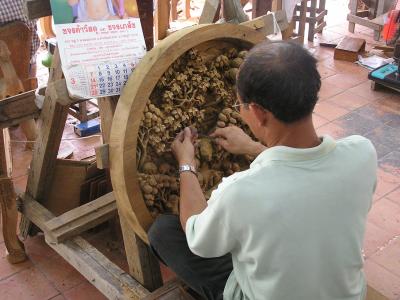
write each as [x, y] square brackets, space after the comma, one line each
[100, 44]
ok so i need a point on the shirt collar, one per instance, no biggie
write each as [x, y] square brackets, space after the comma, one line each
[283, 153]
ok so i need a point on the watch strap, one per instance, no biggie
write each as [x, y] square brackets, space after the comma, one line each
[187, 168]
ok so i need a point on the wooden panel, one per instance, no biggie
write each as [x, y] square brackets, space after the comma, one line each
[18, 108]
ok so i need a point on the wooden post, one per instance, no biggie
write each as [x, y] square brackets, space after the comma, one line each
[15, 248]
[162, 18]
[312, 22]
[52, 122]
[143, 266]
[303, 17]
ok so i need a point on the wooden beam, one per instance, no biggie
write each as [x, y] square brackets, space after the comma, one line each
[14, 110]
[373, 24]
[36, 9]
[210, 11]
[82, 218]
[109, 279]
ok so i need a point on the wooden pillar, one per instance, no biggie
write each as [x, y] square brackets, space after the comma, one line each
[15, 248]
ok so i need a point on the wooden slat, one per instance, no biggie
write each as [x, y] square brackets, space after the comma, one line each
[14, 110]
[365, 22]
[82, 218]
[109, 279]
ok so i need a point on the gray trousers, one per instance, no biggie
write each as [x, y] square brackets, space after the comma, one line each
[206, 276]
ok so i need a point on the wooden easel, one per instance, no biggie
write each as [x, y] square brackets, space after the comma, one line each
[62, 233]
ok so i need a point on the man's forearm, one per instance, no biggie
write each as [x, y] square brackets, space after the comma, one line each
[192, 200]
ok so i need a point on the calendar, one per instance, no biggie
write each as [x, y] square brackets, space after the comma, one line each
[97, 57]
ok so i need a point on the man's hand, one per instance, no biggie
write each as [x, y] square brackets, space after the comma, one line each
[236, 141]
[183, 146]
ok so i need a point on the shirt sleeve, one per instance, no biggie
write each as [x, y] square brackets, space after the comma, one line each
[209, 234]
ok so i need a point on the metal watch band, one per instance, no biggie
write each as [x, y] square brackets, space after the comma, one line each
[187, 168]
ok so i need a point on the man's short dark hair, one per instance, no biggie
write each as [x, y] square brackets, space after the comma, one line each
[281, 77]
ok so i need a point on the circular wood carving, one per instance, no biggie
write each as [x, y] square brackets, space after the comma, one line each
[132, 104]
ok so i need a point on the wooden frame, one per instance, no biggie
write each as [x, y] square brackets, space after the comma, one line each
[132, 103]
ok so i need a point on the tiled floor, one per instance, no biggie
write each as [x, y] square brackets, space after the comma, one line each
[347, 106]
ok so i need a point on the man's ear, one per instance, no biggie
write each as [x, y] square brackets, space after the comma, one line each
[261, 115]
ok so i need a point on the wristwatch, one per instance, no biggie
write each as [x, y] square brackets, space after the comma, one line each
[187, 168]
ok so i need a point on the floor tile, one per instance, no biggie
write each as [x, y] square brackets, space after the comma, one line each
[364, 90]
[354, 123]
[375, 238]
[379, 112]
[394, 196]
[332, 129]
[319, 121]
[347, 68]
[29, 284]
[387, 182]
[391, 103]
[7, 269]
[166, 273]
[329, 111]
[37, 249]
[328, 90]
[325, 71]
[391, 163]
[382, 150]
[345, 81]
[389, 257]
[60, 273]
[385, 135]
[382, 280]
[348, 100]
[84, 291]
[386, 215]
[60, 297]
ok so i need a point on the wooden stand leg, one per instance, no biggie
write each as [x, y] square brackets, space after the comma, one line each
[353, 11]
[16, 251]
[15, 248]
[143, 266]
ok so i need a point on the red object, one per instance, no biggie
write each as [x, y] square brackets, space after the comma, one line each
[391, 25]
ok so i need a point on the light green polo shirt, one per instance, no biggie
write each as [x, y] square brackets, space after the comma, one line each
[294, 222]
